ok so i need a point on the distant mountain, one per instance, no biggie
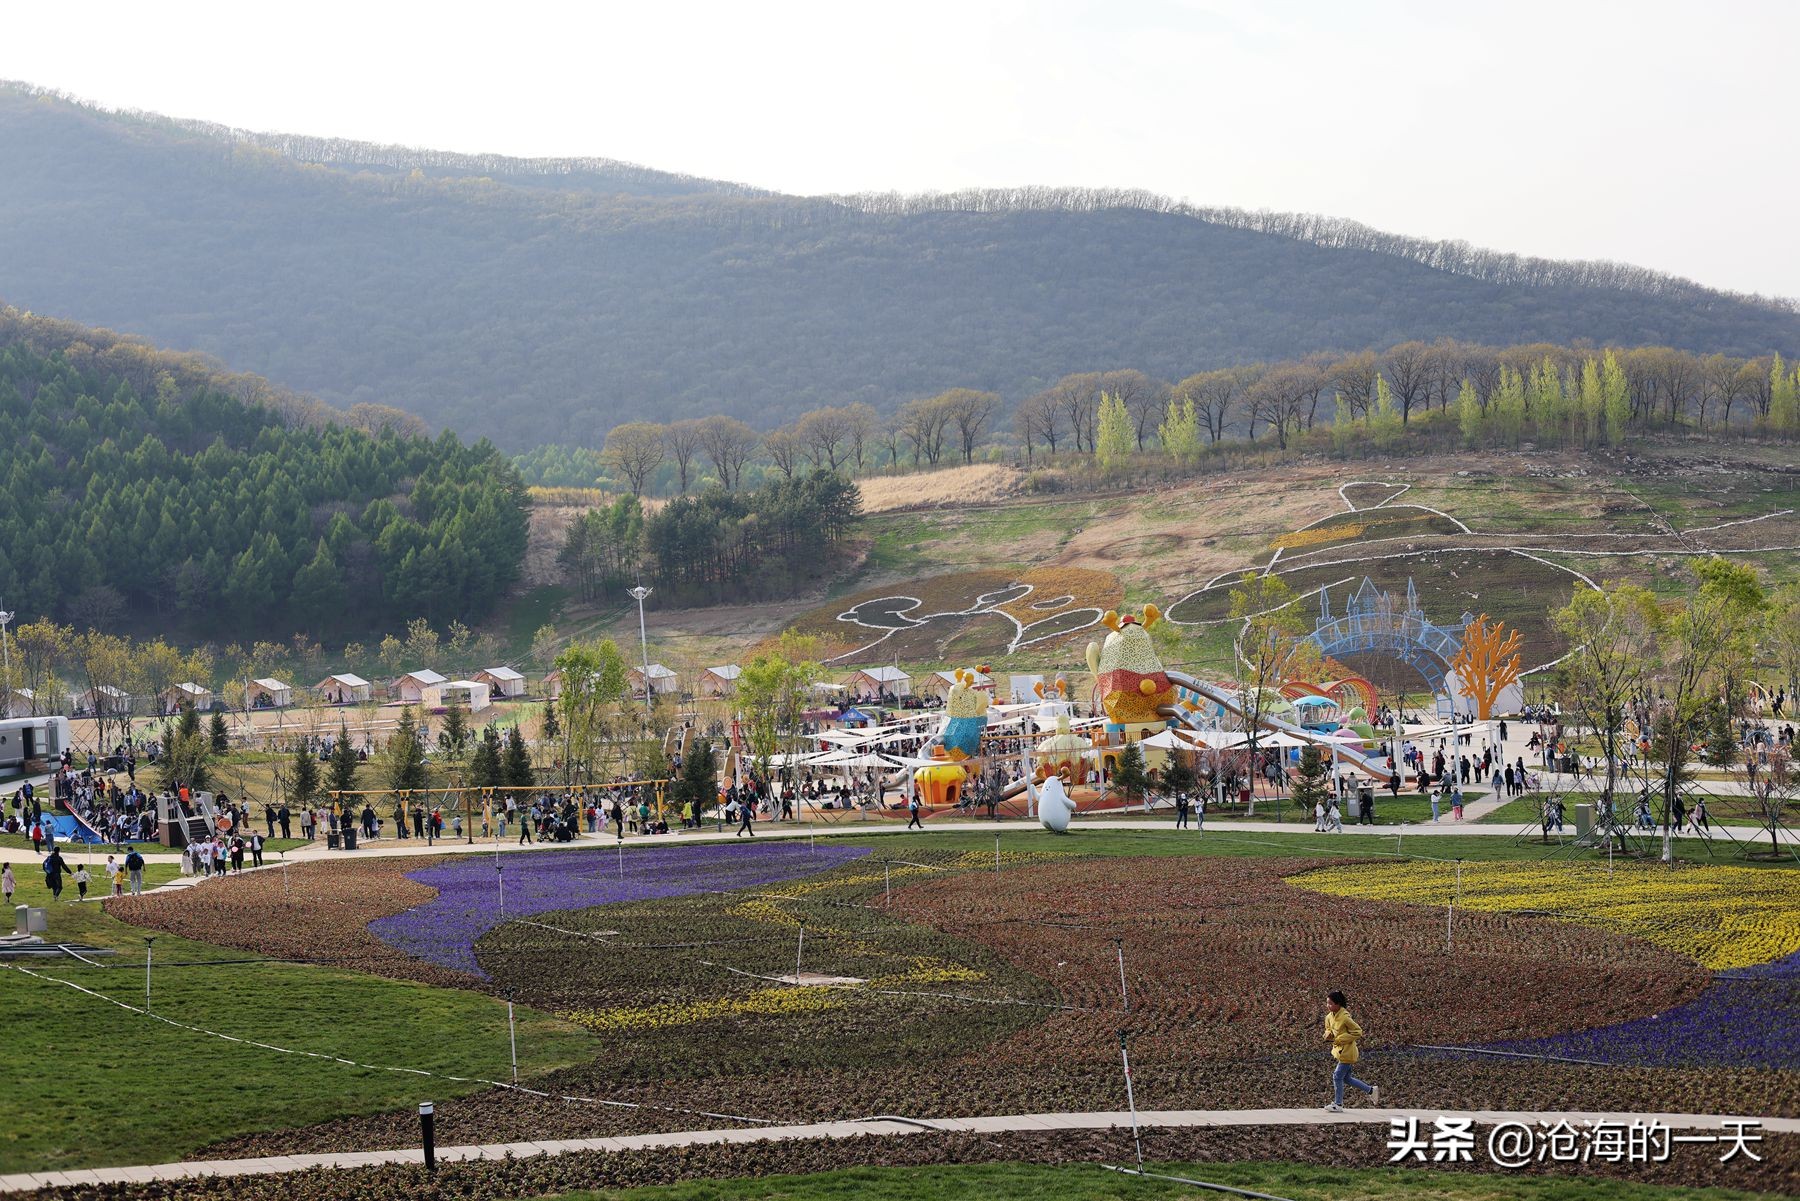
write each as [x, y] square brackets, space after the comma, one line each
[539, 300]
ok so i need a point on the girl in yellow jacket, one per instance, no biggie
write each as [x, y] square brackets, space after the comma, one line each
[1342, 1032]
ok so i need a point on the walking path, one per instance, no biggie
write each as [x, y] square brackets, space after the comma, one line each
[882, 1125]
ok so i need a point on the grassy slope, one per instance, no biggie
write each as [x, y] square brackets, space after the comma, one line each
[1087, 1182]
[91, 1084]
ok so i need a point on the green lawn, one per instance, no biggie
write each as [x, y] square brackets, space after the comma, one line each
[1087, 1182]
[91, 1085]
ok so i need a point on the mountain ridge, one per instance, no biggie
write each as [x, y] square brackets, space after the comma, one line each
[537, 313]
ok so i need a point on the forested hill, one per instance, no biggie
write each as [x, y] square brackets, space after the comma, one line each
[545, 301]
[136, 488]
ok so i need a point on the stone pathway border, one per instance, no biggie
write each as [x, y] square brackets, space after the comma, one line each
[879, 1126]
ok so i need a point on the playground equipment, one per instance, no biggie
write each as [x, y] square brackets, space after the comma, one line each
[965, 716]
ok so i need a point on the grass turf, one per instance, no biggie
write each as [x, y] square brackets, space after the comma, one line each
[1088, 1182]
[91, 1084]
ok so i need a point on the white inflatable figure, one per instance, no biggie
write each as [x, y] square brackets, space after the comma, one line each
[1054, 806]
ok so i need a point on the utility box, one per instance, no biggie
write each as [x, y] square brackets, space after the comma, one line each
[1584, 820]
[29, 919]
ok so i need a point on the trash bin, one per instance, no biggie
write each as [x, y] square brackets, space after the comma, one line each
[349, 838]
[1584, 820]
[331, 840]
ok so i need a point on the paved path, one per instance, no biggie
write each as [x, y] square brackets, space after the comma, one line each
[1012, 1123]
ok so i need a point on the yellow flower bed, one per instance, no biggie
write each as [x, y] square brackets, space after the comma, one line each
[913, 971]
[1320, 534]
[1722, 917]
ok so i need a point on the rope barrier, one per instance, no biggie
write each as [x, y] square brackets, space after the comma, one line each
[382, 1067]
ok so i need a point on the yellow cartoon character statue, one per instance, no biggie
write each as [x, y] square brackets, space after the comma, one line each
[1133, 685]
[965, 717]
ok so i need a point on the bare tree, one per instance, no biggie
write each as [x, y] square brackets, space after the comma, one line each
[969, 411]
[923, 423]
[1277, 398]
[1039, 418]
[863, 422]
[785, 449]
[1353, 378]
[1077, 399]
[822, 435]
[635, 451]
[893, 432]
[1217, 396]
[728, 444]
[683, 441]
[1409, 376]
[1721, 383]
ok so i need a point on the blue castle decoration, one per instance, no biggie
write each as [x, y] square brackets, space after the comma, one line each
[1373, 624]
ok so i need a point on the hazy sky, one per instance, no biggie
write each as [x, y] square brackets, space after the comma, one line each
[1654, 133]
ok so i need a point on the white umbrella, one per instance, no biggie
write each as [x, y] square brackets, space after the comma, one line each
[1282, 738]
[1168, 740]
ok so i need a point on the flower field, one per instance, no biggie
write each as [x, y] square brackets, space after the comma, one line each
[469, 901]
[1721, 917]
[1741, 922]
[998, 992]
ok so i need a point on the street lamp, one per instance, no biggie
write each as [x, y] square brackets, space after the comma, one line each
[6, 654]
[638, 594]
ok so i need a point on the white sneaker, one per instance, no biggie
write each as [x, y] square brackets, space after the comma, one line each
[1375, 1096]
[1334, 1107]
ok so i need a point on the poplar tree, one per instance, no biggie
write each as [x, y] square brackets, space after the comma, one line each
[1113, 442]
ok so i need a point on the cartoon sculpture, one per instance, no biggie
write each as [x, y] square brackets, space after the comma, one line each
[1060, 754]
[940, 784]
[1054, 806]
[966, 707]
[1133, 685]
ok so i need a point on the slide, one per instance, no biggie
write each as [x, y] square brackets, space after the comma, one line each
[1348, 754]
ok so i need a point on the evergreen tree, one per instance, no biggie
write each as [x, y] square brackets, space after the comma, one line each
[516, 767]
[342, 768]
[188, 753]
[1179, 776]
[1129, 778]
[699, 780]
[1114, 440]
[1311, 779]
[485, 769]
[1721, 739]
[551, 729]
[221, 740]
[303, 778]
[453, 739]
[405, 757]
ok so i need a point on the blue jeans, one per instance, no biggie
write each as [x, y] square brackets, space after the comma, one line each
[1344, 1074]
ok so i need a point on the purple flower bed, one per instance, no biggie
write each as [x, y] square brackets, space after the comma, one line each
[445, 929]
[1746, 1018]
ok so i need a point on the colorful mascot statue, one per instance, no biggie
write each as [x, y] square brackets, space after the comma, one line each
[1133, 685]
[1060, 754]
[1054, 806]
[966, 708]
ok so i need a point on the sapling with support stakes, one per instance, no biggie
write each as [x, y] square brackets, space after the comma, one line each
[1124, 997]
[1137, 1139]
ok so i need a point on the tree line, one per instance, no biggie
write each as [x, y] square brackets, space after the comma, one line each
[137, 492]
[715, 547]
[1498, 396]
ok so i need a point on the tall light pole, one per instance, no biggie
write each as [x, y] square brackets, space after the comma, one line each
[6, 701]
[638, 594]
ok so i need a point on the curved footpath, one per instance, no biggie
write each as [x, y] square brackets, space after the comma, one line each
[883, 1126]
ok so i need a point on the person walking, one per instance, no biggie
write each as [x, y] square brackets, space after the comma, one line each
[912, 811]
[256, 848]
[1181, 811]
[81, 882]
[1200, 814]
[746, 808]
[134, 869]
[118, 880]
[1342, 1032]
[7, 883]
[1456, 802]
[54, 867]
[1436, 795]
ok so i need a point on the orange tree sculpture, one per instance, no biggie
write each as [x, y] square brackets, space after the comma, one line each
[1487, 663]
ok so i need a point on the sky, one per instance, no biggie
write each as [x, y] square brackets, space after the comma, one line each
[1652, 133]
